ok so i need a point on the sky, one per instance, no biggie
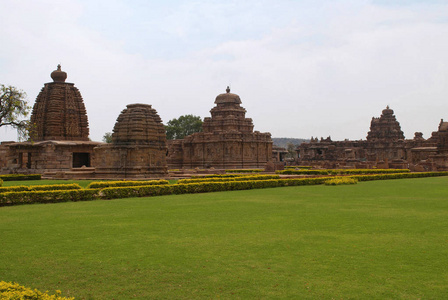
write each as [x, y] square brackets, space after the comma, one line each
[301, 68]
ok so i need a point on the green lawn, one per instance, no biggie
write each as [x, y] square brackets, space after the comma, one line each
[374, 240]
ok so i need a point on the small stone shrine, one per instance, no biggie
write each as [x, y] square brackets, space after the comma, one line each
[227, 140]
[59, 137]
[138, 148]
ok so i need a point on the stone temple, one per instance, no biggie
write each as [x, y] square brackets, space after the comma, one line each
[60, 147]
[385, 147]
[227, 140]
[138, 146]
[59, 137]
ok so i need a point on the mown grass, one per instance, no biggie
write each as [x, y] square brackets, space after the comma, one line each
[374, 240]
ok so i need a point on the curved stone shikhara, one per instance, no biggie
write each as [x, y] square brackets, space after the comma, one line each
[138, 146]
[59, 112]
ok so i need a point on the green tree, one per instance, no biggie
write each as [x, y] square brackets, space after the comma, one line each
[291, 148]
[183, 126]
[14, 109]
[107, 137]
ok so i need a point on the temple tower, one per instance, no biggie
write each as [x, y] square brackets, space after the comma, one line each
[227, 140]
[386, 127]
[138, 146]
[59, 112]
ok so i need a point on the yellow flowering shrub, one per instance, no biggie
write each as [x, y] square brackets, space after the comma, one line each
[341, 180]
[14, 291]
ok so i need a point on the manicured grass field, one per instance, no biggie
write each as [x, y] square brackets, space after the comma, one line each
[374, 240]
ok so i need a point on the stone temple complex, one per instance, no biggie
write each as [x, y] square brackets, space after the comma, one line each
[227, 140]
[385, 147]
[59, 145]
[138, 147]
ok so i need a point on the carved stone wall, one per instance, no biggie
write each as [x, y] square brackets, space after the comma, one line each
[138, 146]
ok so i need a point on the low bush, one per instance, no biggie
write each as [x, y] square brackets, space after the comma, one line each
[53, 196]
[398, 176]
[56, 196]
[341, 180]
[104, 184]
[220, 176]
[342, 171]
[238, 178]
[17, 177]
[53, 187]
[203, 187]
[1, 182]
[244, 170]
[9, 290]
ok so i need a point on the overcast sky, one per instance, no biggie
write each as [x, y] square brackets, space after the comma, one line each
[301, 68]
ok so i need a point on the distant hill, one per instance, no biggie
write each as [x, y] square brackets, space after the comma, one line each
[283, 142]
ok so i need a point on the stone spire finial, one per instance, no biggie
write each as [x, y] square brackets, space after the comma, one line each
[58, 75]
[228, 89]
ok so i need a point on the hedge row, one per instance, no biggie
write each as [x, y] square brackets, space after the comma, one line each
[26, 197]
[204, 187]
[244, 170]
[16, 177]
[54, 187]
[398, 176]
[239, 178]
[342, 171]
[1, 182]
[341, 180]
[104, 184]
[221, 176]
[9, 290]
[10, 198]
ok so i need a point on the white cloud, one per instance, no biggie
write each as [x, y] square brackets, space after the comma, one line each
[301, 69]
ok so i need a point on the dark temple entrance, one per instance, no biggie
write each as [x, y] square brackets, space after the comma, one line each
[81, 159]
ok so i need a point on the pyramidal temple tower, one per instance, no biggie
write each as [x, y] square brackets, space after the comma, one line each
[227, 140]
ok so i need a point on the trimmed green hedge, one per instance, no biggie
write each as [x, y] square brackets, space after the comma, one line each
[54, 187]
[17, 177]
[203, 187]
[104, 184]
[1, 182]
[342, 171]
[22, 197]
[398, 176]
[27, 197]
[244, 170]
[221, 176]
[341, 181]
[239, 178]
